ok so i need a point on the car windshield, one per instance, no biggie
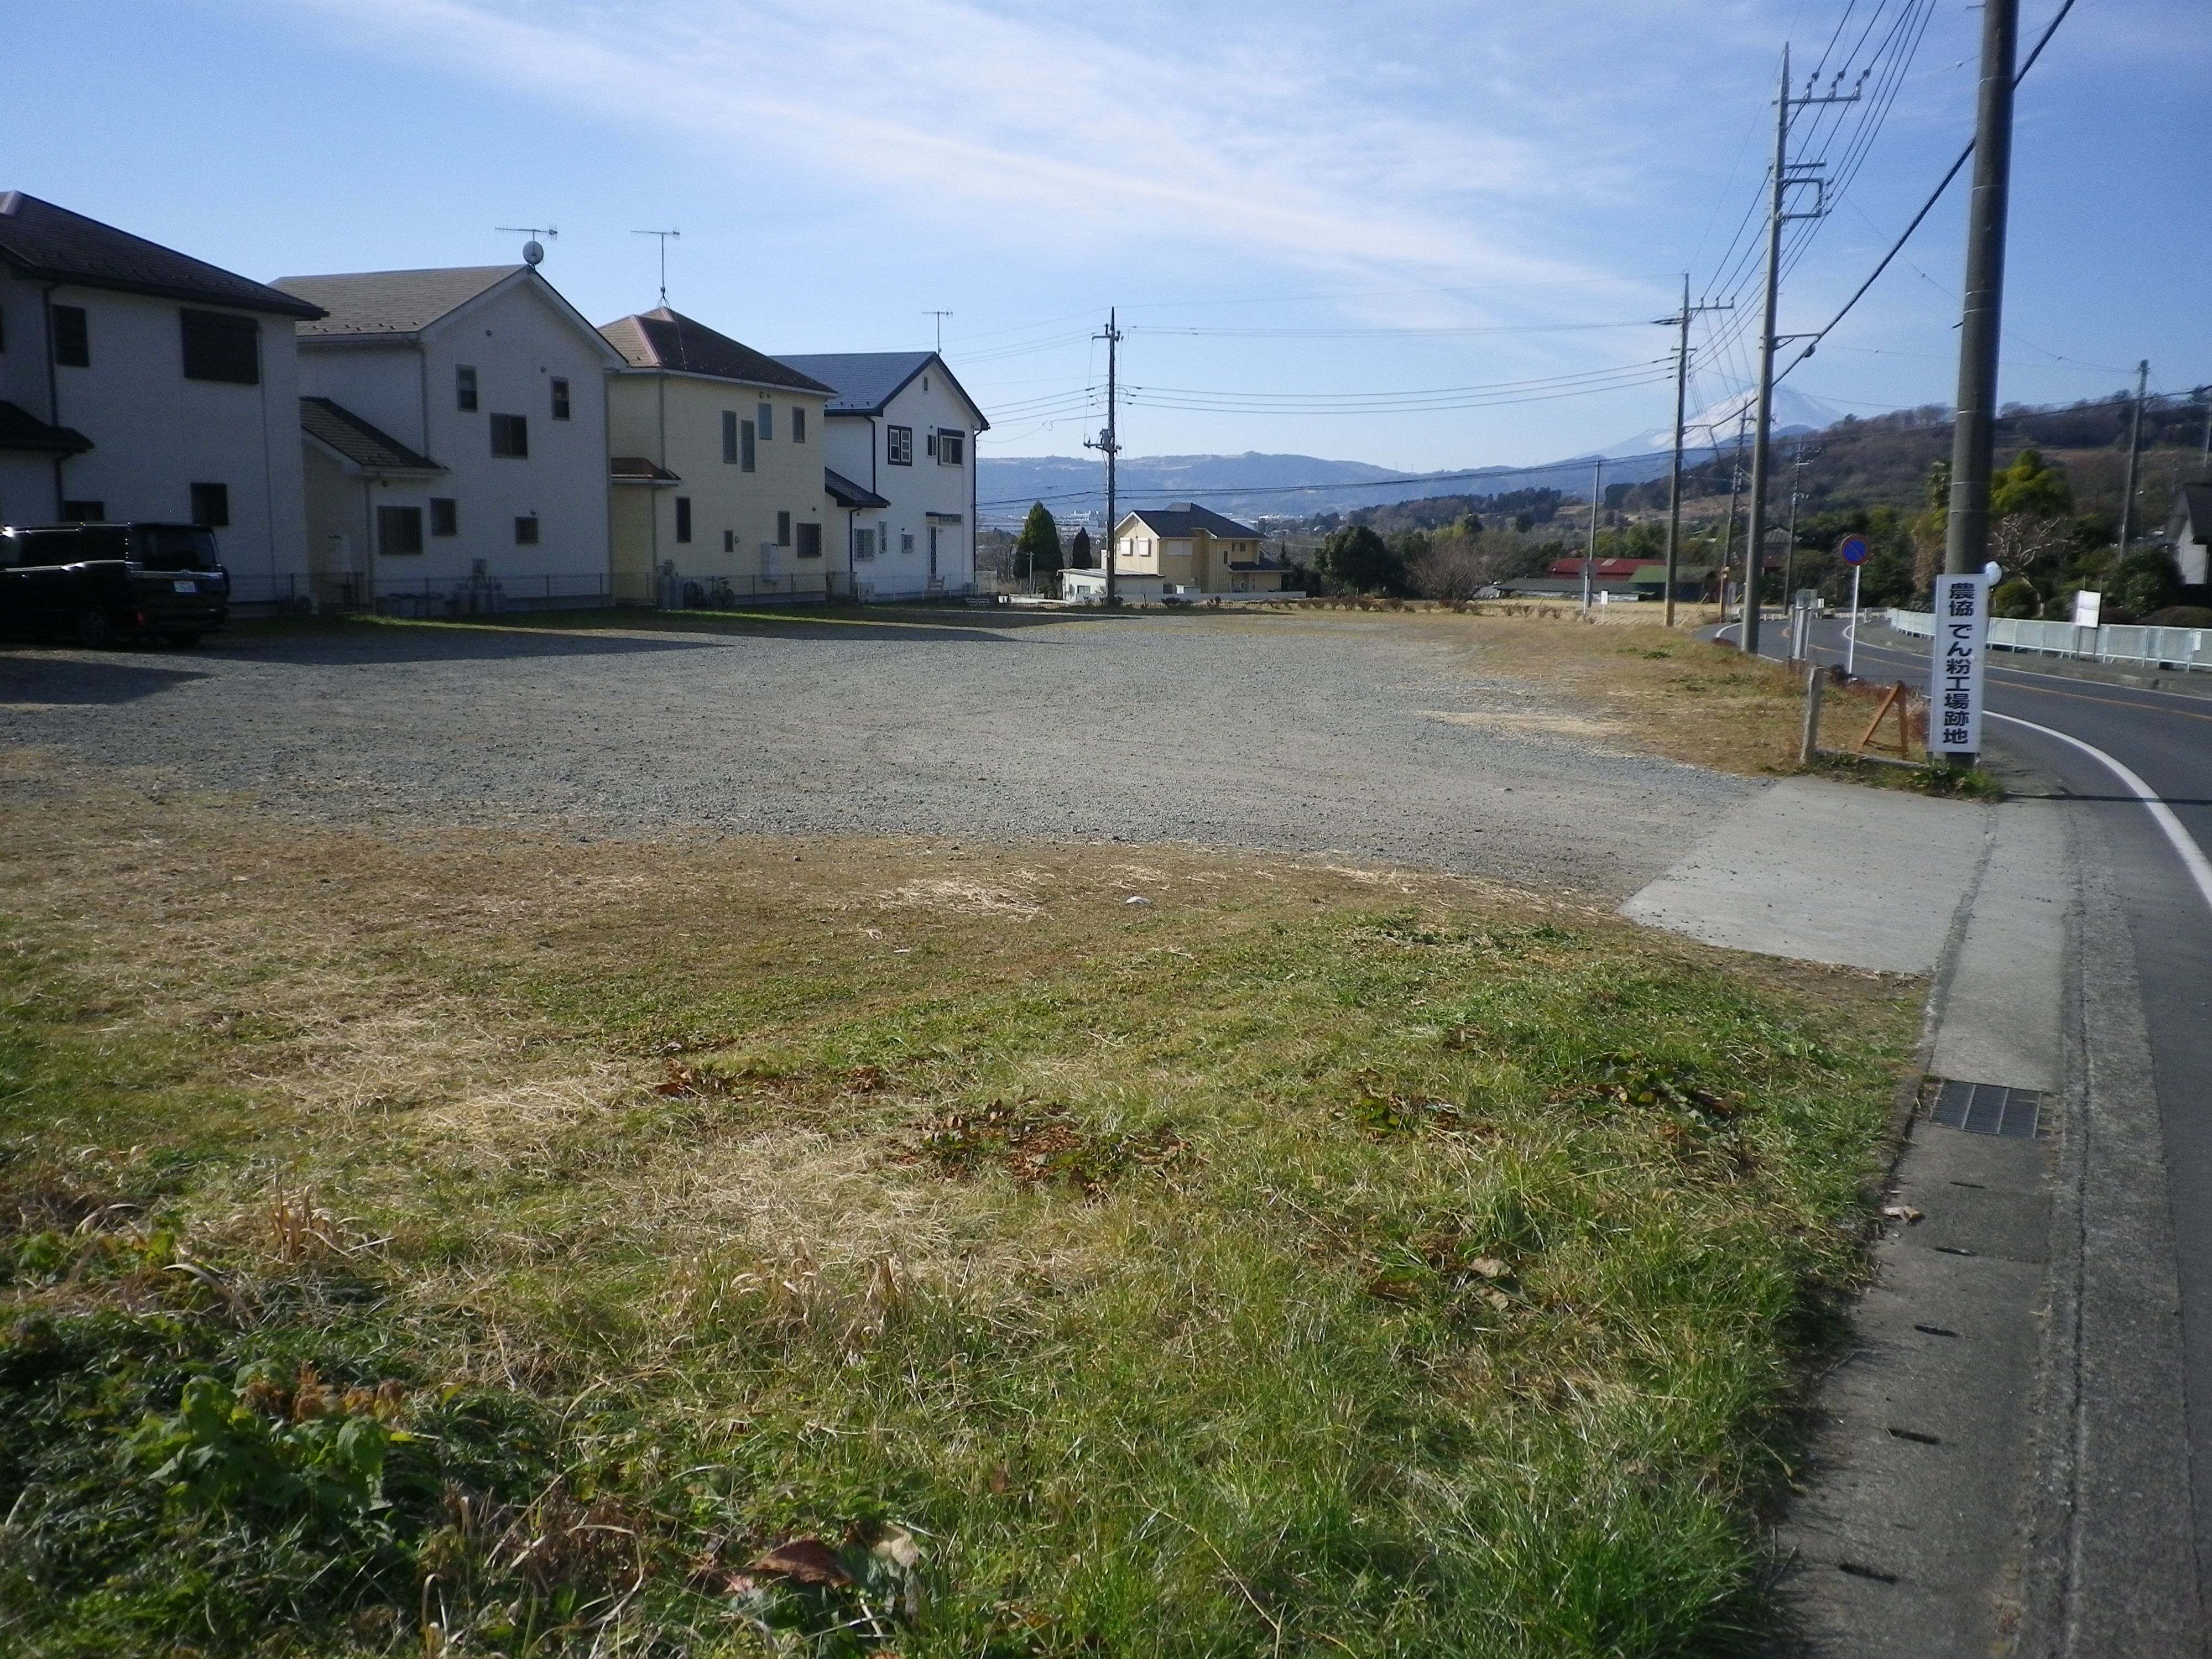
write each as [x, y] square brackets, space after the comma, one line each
[175, 549]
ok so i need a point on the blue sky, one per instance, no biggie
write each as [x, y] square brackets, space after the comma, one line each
[1305, 212]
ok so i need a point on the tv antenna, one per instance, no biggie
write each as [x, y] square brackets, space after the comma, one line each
[533, 251]
[665, 237]
[940, 316]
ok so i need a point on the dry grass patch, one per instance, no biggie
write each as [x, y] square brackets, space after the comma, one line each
[675, 1245]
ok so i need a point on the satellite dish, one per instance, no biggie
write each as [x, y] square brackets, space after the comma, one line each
[533, 252]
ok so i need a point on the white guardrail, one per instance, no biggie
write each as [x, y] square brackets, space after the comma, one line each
[2163, 647]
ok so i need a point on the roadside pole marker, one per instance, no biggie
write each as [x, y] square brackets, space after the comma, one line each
[2192, 856]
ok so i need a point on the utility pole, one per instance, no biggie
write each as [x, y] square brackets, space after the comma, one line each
[1681, 320]
[1727, 533]
[1589, 548]
[940, 316]
[1789, 553]
[1966, 536]
[666, 238]
[1777, 215]
[2134, 459]
[1109, 440]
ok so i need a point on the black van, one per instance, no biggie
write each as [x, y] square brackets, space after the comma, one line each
[98, 583]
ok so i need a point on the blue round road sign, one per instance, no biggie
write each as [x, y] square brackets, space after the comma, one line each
[1854, 549]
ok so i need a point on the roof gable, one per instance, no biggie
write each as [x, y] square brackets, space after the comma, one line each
[43, 241]
[392, 302]
[668, 340]
[867, 381]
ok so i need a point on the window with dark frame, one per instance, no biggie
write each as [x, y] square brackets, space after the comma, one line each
[898, 444]
[682, 518]
[444, 516]
[766, 422]
[745, 444]
[929, 443]
[399, 530]
[510, 436]
[464, 387]
[951, 446]
[729, 437]
[799, 426]
[525, 532]
[221, 345]
[72, 338]
[729, 541]
[211, 506]
[864, 544]
[783, 530]
[809, 541]
[560, 399]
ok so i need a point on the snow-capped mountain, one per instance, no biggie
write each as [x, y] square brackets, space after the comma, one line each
[1714, 427]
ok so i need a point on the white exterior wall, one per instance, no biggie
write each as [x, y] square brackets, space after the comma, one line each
[156, 434]
[858, 450]
[518, 340]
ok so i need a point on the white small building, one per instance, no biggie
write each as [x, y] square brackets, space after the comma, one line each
[139, 383]
[455, 432]
[2190, 530]
[903, 432]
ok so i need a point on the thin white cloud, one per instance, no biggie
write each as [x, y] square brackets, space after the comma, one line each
[950, 111]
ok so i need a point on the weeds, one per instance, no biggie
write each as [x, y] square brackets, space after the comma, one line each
[1263, 1273]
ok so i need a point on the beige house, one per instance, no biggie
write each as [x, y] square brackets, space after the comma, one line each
[720, 492]
[1188, 549]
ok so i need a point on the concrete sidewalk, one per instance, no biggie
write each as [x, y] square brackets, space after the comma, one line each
[2007, 1422]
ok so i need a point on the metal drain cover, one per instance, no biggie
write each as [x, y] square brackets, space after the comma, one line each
[1988, 1109]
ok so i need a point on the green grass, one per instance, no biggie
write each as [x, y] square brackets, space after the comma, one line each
[1306, 1262]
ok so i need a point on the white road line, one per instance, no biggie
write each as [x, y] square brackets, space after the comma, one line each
[2192, 856]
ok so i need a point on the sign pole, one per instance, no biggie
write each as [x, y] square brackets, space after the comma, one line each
[1853, 548]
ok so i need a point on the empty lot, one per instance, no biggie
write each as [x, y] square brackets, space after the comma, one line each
[1373, 737]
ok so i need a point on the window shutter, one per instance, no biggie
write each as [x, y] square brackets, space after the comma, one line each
[745, 432]
[730, 437]
[767, 422]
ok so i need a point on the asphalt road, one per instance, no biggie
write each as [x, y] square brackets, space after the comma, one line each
[2166, 739]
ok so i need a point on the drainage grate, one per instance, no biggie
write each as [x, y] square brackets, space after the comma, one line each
[1988, 1109]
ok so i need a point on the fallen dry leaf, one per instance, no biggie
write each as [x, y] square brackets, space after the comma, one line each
[804, 1561]
[1905, 1213]
[1490, 1266]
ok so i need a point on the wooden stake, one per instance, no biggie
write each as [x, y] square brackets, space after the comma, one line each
[1880, 713]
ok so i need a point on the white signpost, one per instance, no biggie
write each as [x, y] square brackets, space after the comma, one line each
[1954, 689]
[1854, 551]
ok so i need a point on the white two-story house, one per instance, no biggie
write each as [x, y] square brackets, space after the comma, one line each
[902, 432]
[139, 383]
[454, 425]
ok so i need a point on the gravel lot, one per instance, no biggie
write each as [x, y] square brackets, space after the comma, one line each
[1376, 739]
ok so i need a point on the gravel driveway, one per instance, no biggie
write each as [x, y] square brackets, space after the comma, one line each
[1368, 737]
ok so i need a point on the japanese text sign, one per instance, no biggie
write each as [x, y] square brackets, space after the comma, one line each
[1955, 690]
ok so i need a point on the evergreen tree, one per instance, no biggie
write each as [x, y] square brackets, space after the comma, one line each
[1355, 558]
[1037, 548]
[1079, 550]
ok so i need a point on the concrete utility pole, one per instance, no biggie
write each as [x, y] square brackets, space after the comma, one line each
[1967, 537]
[1108, 440]
[1789, 552]
[1777, 215]
[2134, 459]
[1681, 320]
[1589, 548]
[1735, 490]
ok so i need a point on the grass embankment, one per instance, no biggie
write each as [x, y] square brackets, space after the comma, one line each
[534, 1238]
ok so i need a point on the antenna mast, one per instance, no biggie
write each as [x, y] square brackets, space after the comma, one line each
[533, 251]
[665, 237]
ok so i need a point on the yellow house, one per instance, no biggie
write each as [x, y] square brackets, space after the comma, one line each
[715, 451]
[1188, 548]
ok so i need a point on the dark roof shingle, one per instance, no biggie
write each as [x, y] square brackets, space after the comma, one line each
[42, 240]
[669, 340]
[23, 432]
[846, 493]
[366, 446]
[1185, 518]
[867, 381]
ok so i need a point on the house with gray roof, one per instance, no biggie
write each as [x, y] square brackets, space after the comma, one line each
[901, 430]
[1181, 551]
[454, 431]
[140, 383]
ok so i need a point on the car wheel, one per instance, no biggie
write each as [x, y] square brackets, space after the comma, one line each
[94, 631]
